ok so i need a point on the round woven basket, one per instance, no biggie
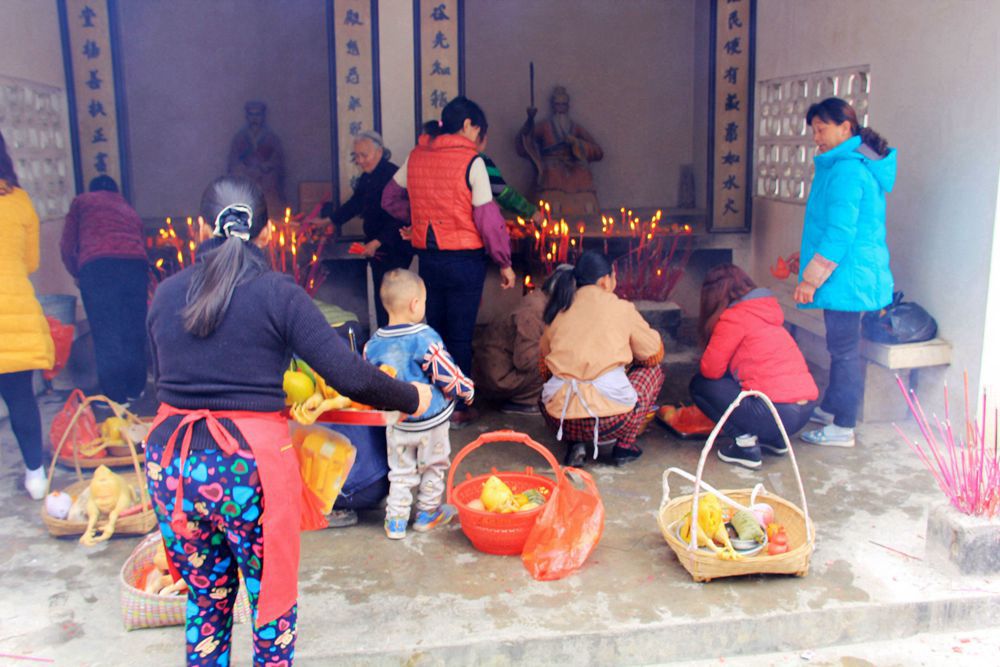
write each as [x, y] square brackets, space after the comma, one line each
[147, 610]
[702, 563]
[137, 520]
[492, 533]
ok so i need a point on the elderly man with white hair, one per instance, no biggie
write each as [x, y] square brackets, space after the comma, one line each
[384, 247]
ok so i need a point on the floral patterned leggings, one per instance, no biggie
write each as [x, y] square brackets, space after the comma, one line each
[222, 496]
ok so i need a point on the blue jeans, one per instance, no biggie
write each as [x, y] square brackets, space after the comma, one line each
[454, 281]
[847, 382]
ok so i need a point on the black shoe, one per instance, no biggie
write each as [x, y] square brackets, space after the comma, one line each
[576, 455]
[623, 455]
[512, 408]
[462, 418]
[776, 449]
[748, 457]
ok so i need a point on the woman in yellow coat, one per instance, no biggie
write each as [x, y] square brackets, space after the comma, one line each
[27, 343]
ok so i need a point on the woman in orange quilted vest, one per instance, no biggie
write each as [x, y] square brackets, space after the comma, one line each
[27, 343]
[443, 190]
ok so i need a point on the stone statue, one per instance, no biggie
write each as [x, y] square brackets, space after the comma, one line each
[256, 154]
[561, 151]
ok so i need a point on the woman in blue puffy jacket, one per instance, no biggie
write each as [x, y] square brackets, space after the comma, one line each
[844, 258]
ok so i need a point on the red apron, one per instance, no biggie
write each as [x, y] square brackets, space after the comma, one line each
[289, 506]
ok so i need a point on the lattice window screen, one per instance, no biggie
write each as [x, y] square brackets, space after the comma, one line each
[32, 121]
[784, 148]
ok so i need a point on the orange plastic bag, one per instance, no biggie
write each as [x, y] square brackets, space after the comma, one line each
[568, 529]
[84, 431]
[62, 336]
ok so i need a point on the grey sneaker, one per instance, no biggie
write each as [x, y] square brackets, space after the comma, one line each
[821, 416]
[342, 518]
[829, 436]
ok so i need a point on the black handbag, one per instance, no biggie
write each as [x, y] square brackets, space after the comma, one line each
[899, 322]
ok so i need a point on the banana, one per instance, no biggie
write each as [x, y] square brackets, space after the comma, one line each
[320, 384]
[324, 399]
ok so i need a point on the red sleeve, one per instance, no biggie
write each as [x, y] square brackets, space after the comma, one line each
[726, 337]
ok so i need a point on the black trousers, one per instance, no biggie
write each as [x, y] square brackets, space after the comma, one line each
[752, 416]
[454, 281]
[25, 420]
[114, 294]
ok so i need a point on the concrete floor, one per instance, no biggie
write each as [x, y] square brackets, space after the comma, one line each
[434, 600]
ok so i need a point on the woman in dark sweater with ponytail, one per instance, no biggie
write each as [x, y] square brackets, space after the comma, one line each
[845, 260]
[221, 469]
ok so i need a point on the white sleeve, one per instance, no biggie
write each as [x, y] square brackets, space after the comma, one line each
[479, 181]
[400, 175]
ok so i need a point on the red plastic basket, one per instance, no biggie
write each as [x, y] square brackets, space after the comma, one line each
[501, 534]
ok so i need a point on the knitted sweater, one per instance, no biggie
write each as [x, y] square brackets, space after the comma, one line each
[100, 225]
[241, 364]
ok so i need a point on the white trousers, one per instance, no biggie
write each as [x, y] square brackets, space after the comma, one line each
[416, 458]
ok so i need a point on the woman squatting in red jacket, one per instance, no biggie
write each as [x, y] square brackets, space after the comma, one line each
[748, 348]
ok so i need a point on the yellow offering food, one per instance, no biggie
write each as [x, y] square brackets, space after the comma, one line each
[326, 458]
[497, 496]
[298, 387]
[111, 430]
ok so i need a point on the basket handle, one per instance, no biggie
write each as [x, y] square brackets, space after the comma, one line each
[711, 489]
[121, 412]
[501, 436]
[711, 441]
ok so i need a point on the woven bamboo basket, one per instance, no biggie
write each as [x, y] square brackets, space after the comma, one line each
[137, 520]
[147, 610]
[116, 456]
[703, 564]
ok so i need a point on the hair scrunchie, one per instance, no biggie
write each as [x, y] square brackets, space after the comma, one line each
[234, 220]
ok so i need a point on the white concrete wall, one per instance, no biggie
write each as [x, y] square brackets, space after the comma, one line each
[935, 96]
[396, 76]
[30, 48]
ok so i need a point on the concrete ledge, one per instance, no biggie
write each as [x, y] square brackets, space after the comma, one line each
[966, 544]
[934, 352]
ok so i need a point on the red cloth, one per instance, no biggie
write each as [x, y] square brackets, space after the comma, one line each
[100, 225]
[285, 513]
[437, 182]
[750, 342]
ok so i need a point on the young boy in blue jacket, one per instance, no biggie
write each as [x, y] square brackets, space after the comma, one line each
[418, 448]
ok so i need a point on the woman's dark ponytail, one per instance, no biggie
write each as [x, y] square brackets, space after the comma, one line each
[835, 110]
[591, 267]
[236, 209]
[874, 141]
[453, 118]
